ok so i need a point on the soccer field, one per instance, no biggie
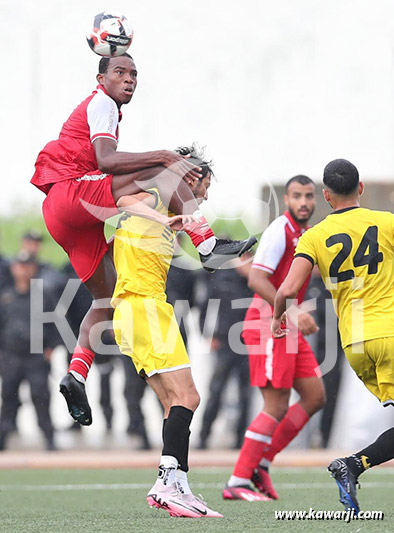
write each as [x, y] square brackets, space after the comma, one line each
[115, 501]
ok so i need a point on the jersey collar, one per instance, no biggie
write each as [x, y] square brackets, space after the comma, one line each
[345, 209]
[293, 224]
[101, 88]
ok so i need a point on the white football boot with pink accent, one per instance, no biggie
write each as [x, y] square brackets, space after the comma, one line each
[200, 506]
[172, 500]
[169, 498]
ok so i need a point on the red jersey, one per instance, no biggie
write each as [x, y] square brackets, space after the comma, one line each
[72, 154]
[275, 254]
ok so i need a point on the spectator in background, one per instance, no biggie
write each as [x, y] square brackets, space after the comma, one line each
[52, 278]
[105, 363]
[31, 242]
[80, 303]
[180, 287]
[227, 285]
[17, 364]
[5, 274]
[134, 391]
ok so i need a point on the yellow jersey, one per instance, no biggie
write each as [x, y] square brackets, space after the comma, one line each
[143, 250]
[354, 250]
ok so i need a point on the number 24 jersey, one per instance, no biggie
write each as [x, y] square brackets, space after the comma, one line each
[354, 250]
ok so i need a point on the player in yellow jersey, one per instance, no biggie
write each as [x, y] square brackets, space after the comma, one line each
[354, 250]
[146, 330]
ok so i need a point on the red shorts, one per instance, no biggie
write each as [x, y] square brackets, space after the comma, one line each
[271, 360]
[75, 211]
[277, 366]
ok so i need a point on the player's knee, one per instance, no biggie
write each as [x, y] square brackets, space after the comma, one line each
[277, 410]
[167, 404]
[316, 401]
[276, 404]
[321, 399]
[193, 400]
[189, 398]
[281, 411]
[320, 396]
[197, 401]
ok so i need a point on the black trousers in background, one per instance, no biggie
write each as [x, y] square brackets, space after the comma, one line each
[34, 369]
[228, 364]
[134, 391]
[106, 365]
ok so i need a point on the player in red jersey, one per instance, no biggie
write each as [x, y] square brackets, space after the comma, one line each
[86, 179]
[277, 367]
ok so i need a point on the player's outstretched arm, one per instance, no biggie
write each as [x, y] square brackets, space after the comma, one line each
[299, 271]
[141, 205]
[112, 162]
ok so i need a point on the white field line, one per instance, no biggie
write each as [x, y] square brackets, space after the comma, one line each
[139, 486]
[381, 470]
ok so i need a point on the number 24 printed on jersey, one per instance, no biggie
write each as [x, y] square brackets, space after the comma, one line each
[366, 254]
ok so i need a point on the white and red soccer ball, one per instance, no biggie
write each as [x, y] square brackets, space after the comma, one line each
[111, 35]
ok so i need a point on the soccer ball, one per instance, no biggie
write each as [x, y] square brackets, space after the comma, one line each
[111, 35]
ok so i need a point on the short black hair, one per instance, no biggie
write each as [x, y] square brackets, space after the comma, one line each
[104, 62]
[197, 157]
[300, 178]
[341, 177]
[33, 235]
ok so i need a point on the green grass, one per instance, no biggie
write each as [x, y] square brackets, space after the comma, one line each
[84, 501]
[12, 230]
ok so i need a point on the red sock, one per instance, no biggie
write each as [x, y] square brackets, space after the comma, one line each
[295, 419]
[81, 361]
[257, 440]
[199, 231]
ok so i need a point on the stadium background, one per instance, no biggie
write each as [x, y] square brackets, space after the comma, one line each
[273, 89]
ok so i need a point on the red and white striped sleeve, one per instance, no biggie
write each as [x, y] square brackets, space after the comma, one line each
[103, 117]
[271, 247]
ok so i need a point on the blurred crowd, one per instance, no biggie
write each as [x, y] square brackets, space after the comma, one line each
[187, 290]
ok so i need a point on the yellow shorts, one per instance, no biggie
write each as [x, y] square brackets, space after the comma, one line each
[146, 330]
[373, 362]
